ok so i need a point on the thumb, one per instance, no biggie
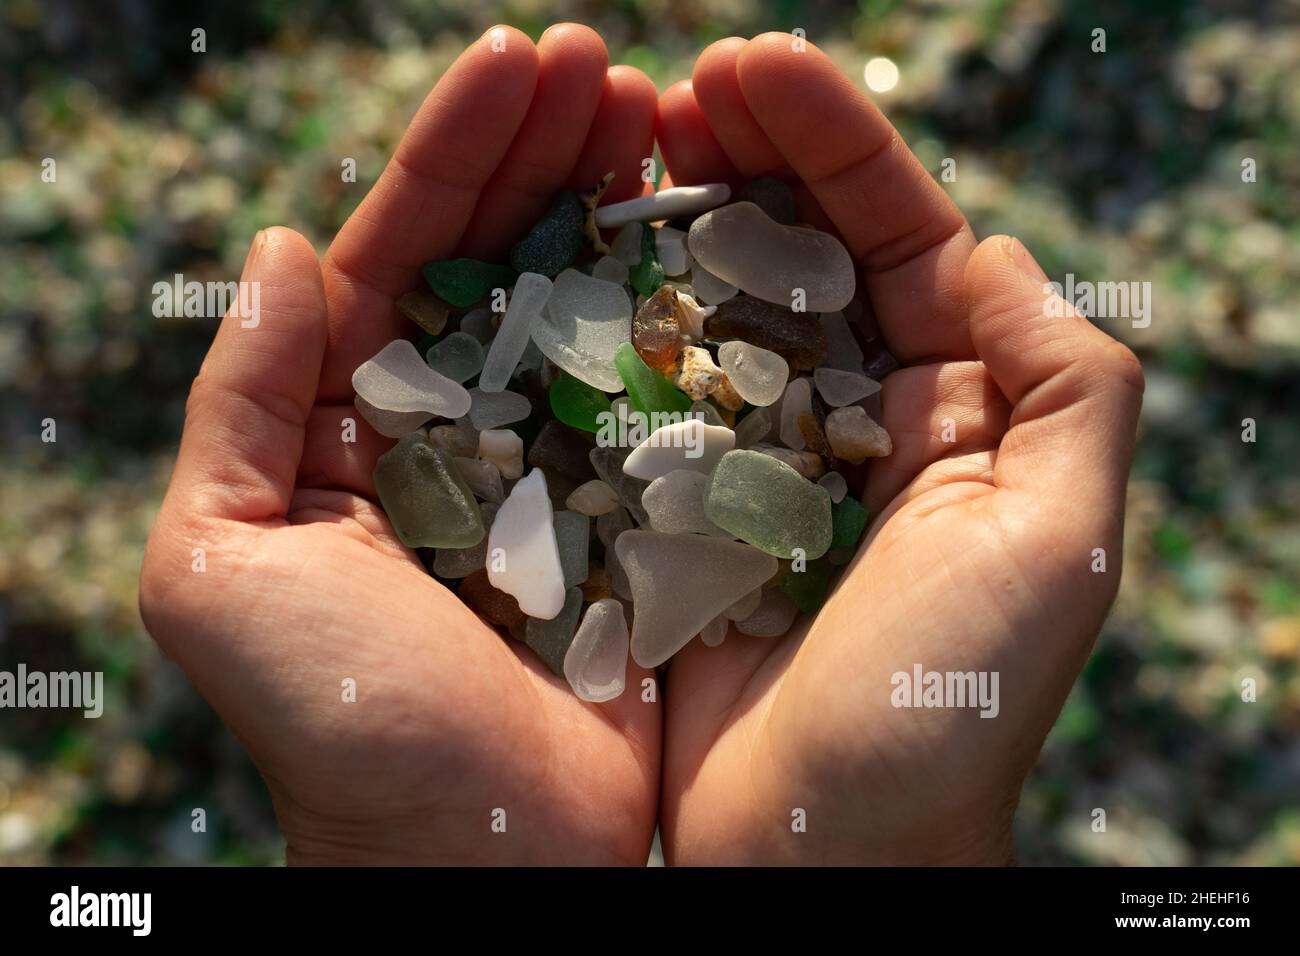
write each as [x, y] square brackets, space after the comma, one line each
[247, 411]
[1075, 392]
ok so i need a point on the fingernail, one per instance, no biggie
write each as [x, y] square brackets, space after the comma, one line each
[1027, 263]
[254, 250]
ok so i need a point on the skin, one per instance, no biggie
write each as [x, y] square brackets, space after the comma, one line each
[979, 555]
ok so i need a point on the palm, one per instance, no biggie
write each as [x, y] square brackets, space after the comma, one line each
[967, 567]
[454, 735]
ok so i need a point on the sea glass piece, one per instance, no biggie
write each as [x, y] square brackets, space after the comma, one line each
[493, 604]
[595, 664]
[647, 390]
[424, 309]
[797, 401]
[772, 196]
[626, 247]
[807, 589]
[675, 504]
[848, 520]
[526, 304]
[389, 424]
[564, 451]
[482, 477]
[577, 404]
[555, 239]
[773, 617]
[647, 275]
[609, 527]
[609, 461]
[550, 637]
[768, 504]
[459, 357]
[584, 321]
[708, 288]
[460, 562]
[593, 498]
[757, 374]
[424, 496]
[843, 351]
[572, 535]
[480, 323]
[745, 606]
[835, 486]
[742, 245]
[682, 582]
[610, 269]
[463, 282]
[838, 387]
[664, 204]
[670, 247]
[398, 380]
[494, 409]
[797, 337]
[523, 536]
[753, 428]
[656, 334]
[715, 632]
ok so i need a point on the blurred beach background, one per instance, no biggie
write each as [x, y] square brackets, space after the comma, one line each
[1125, 165]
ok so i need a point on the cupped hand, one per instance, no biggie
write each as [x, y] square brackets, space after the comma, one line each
[980, 556]
[273, 578]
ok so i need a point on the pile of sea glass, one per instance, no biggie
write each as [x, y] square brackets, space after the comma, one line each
[660, 431]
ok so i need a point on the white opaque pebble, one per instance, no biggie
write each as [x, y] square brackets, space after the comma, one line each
[690, 445]
[398, 380]
[504, 449]
[523, 536]
[665, 204]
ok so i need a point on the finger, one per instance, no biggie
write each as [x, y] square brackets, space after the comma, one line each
[723, 104]
[425, 197]
[621, 136]
[329, 462]
[244, 422]
[943, 419]
[570, 81]
[1075, 392]
[897, 222]
[690, 151]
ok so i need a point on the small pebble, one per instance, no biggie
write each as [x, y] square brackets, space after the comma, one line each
[550, 638]
[459, 357]
[504, 449]
[838, 387]
[759, 376]
[554, 241]
[593, 498]
[670, 247]
[835, 486]
[464, 282]
[494, 409]
[664, 204]
[424, 309]
[595, 664]
[853, 435]
[796, 402]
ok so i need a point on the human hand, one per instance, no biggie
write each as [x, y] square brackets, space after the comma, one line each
[979, 555]
[306, 584]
